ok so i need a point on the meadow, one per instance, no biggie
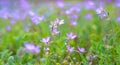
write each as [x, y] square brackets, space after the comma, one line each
[59, 32]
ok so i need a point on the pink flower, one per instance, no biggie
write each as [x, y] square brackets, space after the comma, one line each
[71, 35]
[46, 40]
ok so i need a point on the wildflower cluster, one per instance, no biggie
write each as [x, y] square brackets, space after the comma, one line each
[54, 26]
[72, 36]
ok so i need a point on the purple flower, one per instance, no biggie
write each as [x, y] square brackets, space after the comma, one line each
[117, 4]
[59, 22]
[31, 48]
[102, 13]
[118, 19]
[74, 16]
[88, 16]
[12, 22]
[60, 4]
[53, 25]
[99, 10]
[75, 9]
[70, 49]
[35, 18]
[46, 40]
[81, 50]
[73, 23]
[5, 13]
[71, 36]
[68, 12]
[8, 28]
[26, 28]
[72, 10]
[55, 31]
[56, 23]
[89, 5]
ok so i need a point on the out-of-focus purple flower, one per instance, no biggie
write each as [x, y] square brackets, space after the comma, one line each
[8, 28]
[89, 5]
[68, 12]
[46, 40]
[73, 23]
[31, 13]
[12, 22]
[60, 4]
[24, 5]
[71, 36]
[118, 19]
[117, 4]
[70, 49]
[102, 13]
[81, 50]
[75, 16]
[41, 18]
[26, 28]
[72, 10]
[55, 31]
[88, 16]
[31, 48]
[4, 13]
[35, 18]
[99, 10]
[75, 9]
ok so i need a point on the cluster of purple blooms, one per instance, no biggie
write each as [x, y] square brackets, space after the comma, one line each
[54, 25]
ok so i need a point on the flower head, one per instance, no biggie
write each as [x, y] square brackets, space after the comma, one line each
[12, 22]
[88, 16]
[99, 10]
[71, 35]
[55, 31]
[70, 49]
[35, 18]
[118, 19]
[102, 13]
[60, 4]
[56, 23]
[73, 23]
[46, 40]
[59, 22]
[31, 48]
[81, 50]
[8, 28]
